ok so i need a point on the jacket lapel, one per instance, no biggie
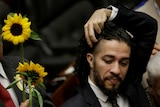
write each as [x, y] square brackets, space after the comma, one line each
[89, 96]
[10, 69]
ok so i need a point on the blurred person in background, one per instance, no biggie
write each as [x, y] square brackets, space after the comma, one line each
[153, 80]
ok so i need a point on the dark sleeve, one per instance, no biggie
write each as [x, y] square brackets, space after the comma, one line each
[47, 101]
[144, 29]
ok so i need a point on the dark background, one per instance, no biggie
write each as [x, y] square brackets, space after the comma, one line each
[59, 24]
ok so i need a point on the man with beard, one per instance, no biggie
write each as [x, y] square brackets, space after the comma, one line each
[110, 64]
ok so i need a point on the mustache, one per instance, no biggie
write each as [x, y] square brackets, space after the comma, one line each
[113, 76]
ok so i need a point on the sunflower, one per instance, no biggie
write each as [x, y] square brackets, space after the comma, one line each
[16, 29]
[33, 71]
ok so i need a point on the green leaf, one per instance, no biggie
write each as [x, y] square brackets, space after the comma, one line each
[22, 73]
[40, 100]
[11, 14]
[12, 84]
[42, 85]
[25, 16]
[35, 36]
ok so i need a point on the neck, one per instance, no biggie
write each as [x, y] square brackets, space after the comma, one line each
[158, 3]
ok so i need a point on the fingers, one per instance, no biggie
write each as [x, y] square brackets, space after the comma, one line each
[155, 49]
[95, 25]
[25, 103]
[90, 34]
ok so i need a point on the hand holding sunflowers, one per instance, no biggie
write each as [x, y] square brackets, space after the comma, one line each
[28, 75]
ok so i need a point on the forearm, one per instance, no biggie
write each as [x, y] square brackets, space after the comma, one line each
[137, 23]
[144, 29]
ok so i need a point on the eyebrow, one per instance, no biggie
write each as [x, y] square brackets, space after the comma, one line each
[111, 56]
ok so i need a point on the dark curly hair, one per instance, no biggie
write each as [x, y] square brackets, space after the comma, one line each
[110, 32]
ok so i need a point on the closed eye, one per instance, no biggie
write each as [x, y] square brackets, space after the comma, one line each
[124, 62]
[108, 61]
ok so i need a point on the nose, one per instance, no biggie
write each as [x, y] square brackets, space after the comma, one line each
[115, 68]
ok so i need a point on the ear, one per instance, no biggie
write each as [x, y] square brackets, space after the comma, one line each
[90, 59]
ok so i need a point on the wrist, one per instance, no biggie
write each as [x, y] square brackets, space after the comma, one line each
[114, 12]
[108, 13]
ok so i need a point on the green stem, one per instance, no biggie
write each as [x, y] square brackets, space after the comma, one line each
[23, 93]
[22, 56]
[30, 92]
[22, 51]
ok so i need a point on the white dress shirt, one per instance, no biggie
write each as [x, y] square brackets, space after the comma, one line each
[5, 82]
[121, 100]
[114, 12]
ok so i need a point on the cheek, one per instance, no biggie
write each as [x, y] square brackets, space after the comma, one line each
[103, 69]
[123, 72]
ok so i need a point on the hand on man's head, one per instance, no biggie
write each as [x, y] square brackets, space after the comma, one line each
[95, 24]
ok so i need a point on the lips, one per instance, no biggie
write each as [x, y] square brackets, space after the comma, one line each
[114, 80]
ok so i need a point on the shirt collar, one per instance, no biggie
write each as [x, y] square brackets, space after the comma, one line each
[2, 73]
[100, 95]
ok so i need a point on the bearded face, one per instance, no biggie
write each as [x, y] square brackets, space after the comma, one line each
[109, 65]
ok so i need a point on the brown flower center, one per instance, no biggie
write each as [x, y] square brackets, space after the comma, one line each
[16, 29]
[33, 75]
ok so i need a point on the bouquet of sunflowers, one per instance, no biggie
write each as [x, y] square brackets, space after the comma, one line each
[28, 75]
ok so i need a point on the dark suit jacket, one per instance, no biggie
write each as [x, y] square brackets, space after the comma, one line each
[87, 98]
[9, 64]
[144, 29]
